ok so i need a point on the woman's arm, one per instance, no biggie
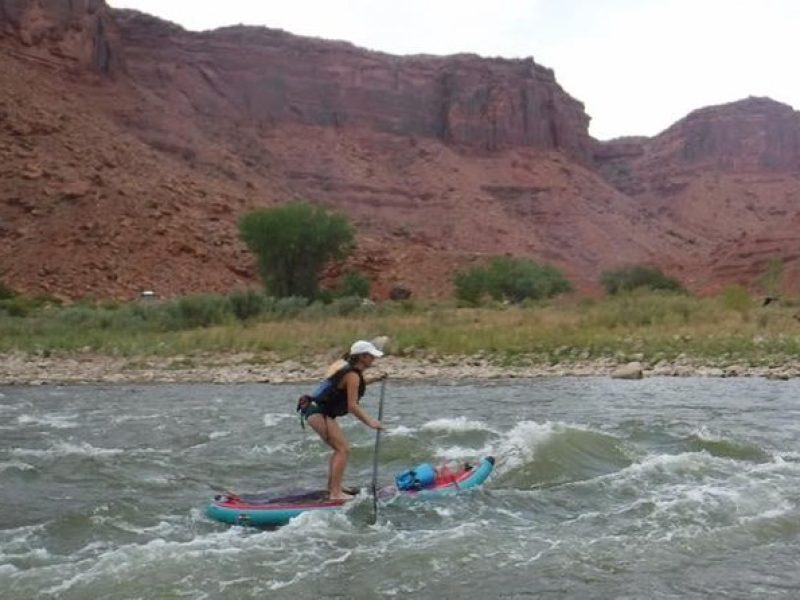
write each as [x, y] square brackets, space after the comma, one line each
[351, 382]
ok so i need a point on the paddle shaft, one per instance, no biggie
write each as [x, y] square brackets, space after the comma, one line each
[377, 451]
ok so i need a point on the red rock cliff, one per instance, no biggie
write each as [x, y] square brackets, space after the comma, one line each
[270, 77]
[79, 33]
[114, 184]
[752, 134]
[728, 179]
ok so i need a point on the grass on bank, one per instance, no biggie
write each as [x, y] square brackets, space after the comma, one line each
[648, 326]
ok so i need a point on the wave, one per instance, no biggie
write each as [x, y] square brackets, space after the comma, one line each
[460, 453]
[542, 454]
[67, 449]
[694, 492]
[455, 424]
[228, 546]
[703, 440]
[125, 418]
[16, 466]
[700, 473]
[400, 431]
[269, 449]
[29, 554]
[52, 421]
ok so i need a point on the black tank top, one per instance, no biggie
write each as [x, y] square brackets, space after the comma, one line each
[334, 404]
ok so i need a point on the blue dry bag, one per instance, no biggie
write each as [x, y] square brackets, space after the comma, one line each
[420, 477]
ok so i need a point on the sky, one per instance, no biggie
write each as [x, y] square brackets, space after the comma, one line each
[637, 65]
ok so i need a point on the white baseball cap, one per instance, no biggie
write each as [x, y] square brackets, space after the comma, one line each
[364, 347]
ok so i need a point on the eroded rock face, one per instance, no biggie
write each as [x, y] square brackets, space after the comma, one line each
[272, 77]
[73, 32]
[752, 134]
[112, 185]
[728, 178]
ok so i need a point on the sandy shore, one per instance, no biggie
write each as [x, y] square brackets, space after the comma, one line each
[22, 369]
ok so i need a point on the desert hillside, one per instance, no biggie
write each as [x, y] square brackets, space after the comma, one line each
[129, 148]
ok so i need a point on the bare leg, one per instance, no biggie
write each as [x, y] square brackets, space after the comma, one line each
[329, 430]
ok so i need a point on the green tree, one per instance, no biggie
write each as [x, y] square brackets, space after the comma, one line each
[638, 276]
[5, 291]
[512, 279]
[354, 284]
[292, 244]
[771, 279]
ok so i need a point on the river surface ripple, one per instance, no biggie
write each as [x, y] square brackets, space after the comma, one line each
[660, 488]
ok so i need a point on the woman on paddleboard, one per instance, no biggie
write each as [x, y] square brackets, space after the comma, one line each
[337, 396]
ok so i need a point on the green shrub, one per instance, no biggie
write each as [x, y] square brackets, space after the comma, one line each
[79, 316]
[6, 293]
[510, 279]
[471, 285]
[136, 317]
[290, 306]
[16, 306]
[737, 298]
[643, 308]
[353, 284]
[247, 304]
[771, 280]
[638, 276]
[347, 305]
[191, 312]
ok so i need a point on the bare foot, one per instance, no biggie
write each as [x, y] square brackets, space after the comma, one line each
[341, 496]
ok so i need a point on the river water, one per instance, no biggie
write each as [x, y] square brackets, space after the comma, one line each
[660, 488]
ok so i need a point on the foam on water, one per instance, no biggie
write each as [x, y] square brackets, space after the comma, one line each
[270, 449]
[163, 529]
[98, 561]
[458, 453]
[668, 466]
[455, 424]
[274, 419]
[15, 465]
[23, 545]
[592, 499]
[684, 496]
[53, 421]
[28, 555]
[704, 433]
[519, 445]
[119, 419]
[400, 431]
[67, 448]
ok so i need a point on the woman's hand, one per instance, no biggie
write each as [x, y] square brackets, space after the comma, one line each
[377, 378]
[375, 424]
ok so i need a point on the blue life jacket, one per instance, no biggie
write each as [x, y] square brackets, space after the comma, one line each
[420, 477]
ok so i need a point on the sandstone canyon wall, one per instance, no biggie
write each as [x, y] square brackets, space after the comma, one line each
[728, 179]
[130, 147]
[76, 33]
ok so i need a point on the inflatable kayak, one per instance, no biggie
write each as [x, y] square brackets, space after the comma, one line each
[272, 510]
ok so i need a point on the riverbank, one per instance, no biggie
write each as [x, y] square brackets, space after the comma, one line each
[88, 368]
[668, 334]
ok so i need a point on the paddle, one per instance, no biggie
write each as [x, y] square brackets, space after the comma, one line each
[375, 457]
